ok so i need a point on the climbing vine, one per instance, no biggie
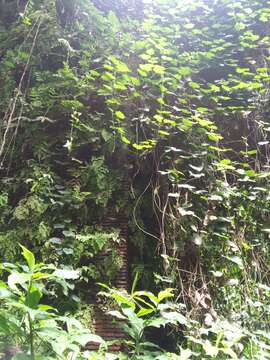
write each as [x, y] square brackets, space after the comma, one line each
[172, 96]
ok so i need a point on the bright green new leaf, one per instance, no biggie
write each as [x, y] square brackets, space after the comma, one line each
[120, 115]
[29, 257]
[165, 294]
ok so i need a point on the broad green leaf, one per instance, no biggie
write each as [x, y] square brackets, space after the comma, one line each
[188, 26]
[136, 323]
[117, 314]
[209, 349]
[40, 275]
[146, 67]
[29, 257]
[165, 294]
[121, 67]
[214, 136]
[84, 338]
[17, 278]
[158, 69]
[217, 273]
[174, 317]
[204, 122]
[185, 354]
[142, 312]
[66, 273]
[44, 307]
[237, 260]
[120, 115]
[122, 299]
[147, 294]
[158, 322]
[125, 139]
[33, 297]
[5, 293]
[194, 85]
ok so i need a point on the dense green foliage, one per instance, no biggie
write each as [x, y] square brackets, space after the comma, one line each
[34, 327]
[171, 96]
